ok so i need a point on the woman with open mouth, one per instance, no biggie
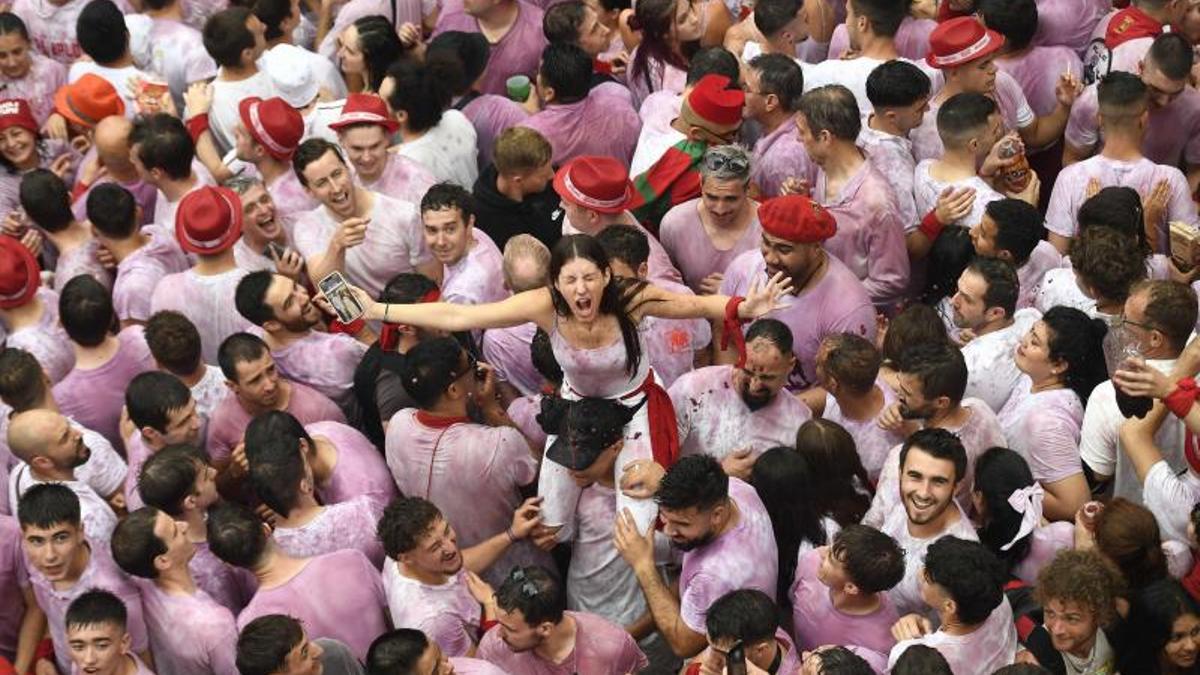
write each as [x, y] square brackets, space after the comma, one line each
[592, 318]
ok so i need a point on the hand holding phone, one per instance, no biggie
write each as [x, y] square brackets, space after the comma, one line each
[340, 297]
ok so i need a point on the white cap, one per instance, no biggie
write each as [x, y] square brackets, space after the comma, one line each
[290, 69]
[139, 27]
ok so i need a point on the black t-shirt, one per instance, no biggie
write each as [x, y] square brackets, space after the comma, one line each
[502, 218]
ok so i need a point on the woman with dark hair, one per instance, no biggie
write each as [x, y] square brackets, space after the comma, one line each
[1061, 359]
[917, 324]
[949, 255]
[592, 318]
[1008, 503]
[23, 149]
[778, 476]
[24, 73]
[842, 492]
[1163, 632]
[365, 51]
[660, 60]
[439, 139]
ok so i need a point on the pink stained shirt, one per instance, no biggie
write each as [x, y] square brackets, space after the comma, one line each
[51, 28]
[1046, 542]
[602, 123]
[744, 556]
[524, 411]
[394, 242]
[992, 372]
[1014, 108]
[1069, 22]
[290, 198]
[906, 595]
[474, 474]
[402, 179]
[144, 194]
[207, 646]
[836, 303]
[926, 190]
[599, 580]
[359, 469]
[491, 114]
[177, 53]
[229, 586]
[104, 471]
[872, 442]
[507, 350]
[206, 300]
[46, 339]
[337, 527]
[447, 613]
[229, 420]
[912, 38]
[96, 396]
[1172, 133]
[655, 77]
[14, 581]
[1043, 259]
[518, 51]
[95, 513]
[601, 648]
[981, 431]
[399, 13]
[323, 361]
[81, 260]
[870, 236]
[779, 156]
[685, 238]
[671, 344]
[988, 648]
[1044, 427]
[139, 274]
[659, 265]
[100, 573]
[1038, 70]
[477, 278]
[714, 420]
[338, 595]
[816, 621]
[45, 76]
[467, 666]
[892, 157]
[1070, 191]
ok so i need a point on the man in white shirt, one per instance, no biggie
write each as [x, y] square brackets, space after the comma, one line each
[105, 39]
[985, 304]
[234, 38]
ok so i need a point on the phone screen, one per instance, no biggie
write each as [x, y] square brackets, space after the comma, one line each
[337, 292]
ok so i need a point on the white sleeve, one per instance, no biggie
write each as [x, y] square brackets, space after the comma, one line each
[1170, 499]
[1098, 439]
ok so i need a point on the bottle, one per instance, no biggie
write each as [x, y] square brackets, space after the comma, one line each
[1016, 177]
[1132, 406]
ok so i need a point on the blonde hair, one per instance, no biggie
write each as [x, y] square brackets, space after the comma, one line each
[520, 150]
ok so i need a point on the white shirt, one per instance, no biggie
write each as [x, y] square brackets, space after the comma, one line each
[119, 78]
[447, 150]
[223, 116]
[97, 516]
[991, 366]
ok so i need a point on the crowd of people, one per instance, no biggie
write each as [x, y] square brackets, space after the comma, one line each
[592, 337]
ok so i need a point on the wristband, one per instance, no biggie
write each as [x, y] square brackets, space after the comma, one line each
[511, 537]
[487, 624]
[1181, 399]
[197, 126]
[930, 226]
[353, 328]
[732, 329]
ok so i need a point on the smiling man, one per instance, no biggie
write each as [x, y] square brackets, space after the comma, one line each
[365, 132]
[262, 231]
[368, 236]
[472, 267]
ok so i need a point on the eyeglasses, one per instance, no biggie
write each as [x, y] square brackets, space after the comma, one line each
[1124, 321]
[472, 366]
[717, 162]
[528, 588]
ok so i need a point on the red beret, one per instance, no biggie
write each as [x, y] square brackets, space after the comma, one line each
[797, 219]
[713, 102]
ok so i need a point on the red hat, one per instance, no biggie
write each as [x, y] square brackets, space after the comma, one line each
[960, 41]
[600, 184]
[209, 220]
[19, 273]
[365, 109]
[15, 112]
[797, 219]
[88, 100]
[274, 124]
[713, 102]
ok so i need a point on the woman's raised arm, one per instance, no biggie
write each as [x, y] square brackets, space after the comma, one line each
[534, 305]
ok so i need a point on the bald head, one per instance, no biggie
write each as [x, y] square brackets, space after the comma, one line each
[112, 141]
[46, 441]
[526, 263]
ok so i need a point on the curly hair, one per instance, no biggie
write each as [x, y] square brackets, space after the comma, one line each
[1107, 261]
[1084, 577]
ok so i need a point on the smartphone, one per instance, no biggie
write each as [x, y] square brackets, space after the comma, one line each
[275, 250]
[337, 291]
[1184, 242]
[735, 660]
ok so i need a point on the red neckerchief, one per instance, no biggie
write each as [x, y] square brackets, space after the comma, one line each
[440, 421]
[389, 333]
[1129, 24]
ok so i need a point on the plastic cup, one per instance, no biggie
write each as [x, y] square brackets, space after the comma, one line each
[518, 87]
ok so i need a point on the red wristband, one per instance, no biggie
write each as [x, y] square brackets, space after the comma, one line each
[352, 328]
[197, 126]
[930, 226]
[1181, 399]
[732, 329]
[487, 624]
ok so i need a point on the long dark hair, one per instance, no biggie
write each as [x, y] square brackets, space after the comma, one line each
[779, 475]
[949, 255]
[1078, 341]
[380, 47]
[998, 473]
[654, 19]
[615, 300]
[1152, 616]
[842, 493]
